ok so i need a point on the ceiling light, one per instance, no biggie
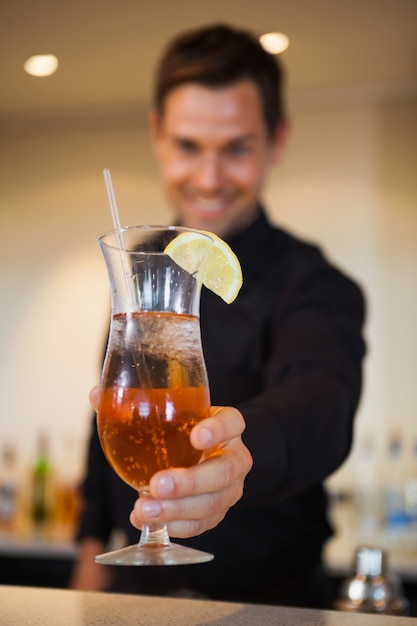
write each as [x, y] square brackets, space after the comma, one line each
[41, 65]
[274, 43]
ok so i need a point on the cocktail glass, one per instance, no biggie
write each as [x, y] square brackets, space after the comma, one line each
[154, 386]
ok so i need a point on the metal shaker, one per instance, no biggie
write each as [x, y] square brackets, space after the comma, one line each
[373, 588]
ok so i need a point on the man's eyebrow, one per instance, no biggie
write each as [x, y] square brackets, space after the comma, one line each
[182, 137]
[239, 140]
[243, 138]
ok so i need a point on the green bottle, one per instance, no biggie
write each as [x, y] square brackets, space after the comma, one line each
[41, 483]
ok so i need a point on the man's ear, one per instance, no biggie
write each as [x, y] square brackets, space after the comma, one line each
[279, 140]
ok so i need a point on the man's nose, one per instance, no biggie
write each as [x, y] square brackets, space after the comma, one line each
[208, 174]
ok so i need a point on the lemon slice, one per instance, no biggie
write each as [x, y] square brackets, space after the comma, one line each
[221, 270]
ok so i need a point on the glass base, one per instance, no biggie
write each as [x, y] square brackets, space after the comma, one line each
[173, 554]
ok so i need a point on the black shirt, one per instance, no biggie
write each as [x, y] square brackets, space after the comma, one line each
[287, 353]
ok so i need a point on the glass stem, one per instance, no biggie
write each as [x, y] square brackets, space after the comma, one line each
[154, 535]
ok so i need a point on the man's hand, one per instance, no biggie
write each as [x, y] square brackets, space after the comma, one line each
[195, 499]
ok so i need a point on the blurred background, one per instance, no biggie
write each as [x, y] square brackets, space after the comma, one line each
[348, 181]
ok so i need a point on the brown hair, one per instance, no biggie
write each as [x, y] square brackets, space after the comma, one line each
[217, 56]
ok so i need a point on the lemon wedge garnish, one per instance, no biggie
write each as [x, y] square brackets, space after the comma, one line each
[221, 271]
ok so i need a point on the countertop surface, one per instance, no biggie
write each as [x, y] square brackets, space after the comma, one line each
[21, 606]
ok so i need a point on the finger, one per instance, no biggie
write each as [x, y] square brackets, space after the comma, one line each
[95, 397]
[221, 469]
[184, 528]
[224, 424]
[185, 517]
[192, 528]
[196, 507]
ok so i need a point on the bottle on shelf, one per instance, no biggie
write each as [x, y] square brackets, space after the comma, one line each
[8, 485]
[411, 496]
[41, 483]
[66, 494]
[395, 514]
[368, 513]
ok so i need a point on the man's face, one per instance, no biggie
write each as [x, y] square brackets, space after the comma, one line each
[213, 150]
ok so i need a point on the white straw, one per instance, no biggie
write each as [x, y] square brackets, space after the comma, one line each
[113, 208]
[118, 229]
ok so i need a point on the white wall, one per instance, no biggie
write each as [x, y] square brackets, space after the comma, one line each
[347, 181]
[52, 277]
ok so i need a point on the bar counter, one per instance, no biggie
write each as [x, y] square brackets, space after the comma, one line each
[24, 606]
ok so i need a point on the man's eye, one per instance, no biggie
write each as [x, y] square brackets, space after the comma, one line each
[238, 150]
[187, 146]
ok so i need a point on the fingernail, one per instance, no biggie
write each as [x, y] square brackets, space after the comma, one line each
[151, 508]
[204, 436]
[165, 486]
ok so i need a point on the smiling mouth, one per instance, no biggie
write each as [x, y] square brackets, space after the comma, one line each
[211, 207]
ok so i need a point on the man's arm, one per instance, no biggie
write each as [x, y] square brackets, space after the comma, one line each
[299, 428]
[88, 575]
